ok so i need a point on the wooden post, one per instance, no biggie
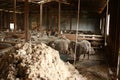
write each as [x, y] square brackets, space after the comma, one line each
[47, 11]
[8, 20]
[106, 23]
[119, 59]
[50, 19]
[14, 13]
[78, 16]
[26, 14]
[70, 23]
[41, 10]
[0, 19]
[118, 66]
[118, 38]
[59, 18]
[4, 20]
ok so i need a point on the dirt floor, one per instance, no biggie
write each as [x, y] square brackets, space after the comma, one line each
[96, 68]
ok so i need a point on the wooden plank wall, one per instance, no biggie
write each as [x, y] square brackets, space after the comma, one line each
[112, 49]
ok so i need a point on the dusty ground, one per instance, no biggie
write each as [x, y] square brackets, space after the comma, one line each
[96, 68]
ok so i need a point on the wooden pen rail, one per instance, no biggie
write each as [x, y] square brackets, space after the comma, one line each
[91, 37]
[9, 42]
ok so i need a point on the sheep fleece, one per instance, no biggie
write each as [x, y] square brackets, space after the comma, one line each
[36, 62]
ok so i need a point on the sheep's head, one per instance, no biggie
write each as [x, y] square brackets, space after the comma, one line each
[72, 45]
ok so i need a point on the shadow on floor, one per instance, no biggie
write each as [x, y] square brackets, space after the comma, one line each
[96, 68]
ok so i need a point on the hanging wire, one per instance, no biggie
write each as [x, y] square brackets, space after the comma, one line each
[78, 15]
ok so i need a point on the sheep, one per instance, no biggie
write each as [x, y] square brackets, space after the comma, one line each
[60, 45]
[82, 47]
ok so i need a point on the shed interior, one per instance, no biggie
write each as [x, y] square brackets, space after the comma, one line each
[36, 21]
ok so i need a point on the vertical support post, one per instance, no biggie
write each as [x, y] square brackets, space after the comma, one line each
[0, 19]
[70, 23]
[14, 13]
[106, 23]
[78, 16]
[4, 20]
[8, 20]
[118, 66]
[50, 18]
[26, 14]
[119, 60]
[41, 11]
[59, 16]
[118, 41]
